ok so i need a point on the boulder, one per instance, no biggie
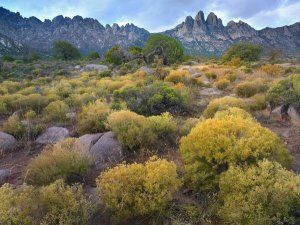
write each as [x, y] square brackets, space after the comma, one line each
[7, 142]
[210, 92]
[294, 115]
[190, 69]
[77, 67]
[94, 67]
[196, 75]
[107, 151]
[4, 174]
[88, 140]
[147, 70]
[52, 135]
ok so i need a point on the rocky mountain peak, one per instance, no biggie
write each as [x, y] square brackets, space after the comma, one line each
[213, 20]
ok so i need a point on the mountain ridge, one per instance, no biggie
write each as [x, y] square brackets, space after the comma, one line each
[198, 35]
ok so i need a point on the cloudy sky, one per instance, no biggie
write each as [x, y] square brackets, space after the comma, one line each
[159, 15]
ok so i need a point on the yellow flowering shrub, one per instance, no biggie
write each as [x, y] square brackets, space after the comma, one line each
[272, 70]
[235, 112]
[131, 129]
[92, 118]
[187, 125]
[14, 126]
[54, 204]
[56, 112]
[222, 84]
[250, 88]
[216, 144]
[223, 103]
[178, 76]
[266, 194]
[66, 160]
[137, 189]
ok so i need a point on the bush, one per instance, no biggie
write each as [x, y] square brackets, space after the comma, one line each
[172, 48]
[53, 204]
[211, 75]
[222, 84]
[14, 126]
[35, 102]
[65, 51]
[153, 99]
[258, 102]
[136, 189]
[216, 144]
[250, 88]
[223, 103]
[131, 129]
[188, 125]
[266, 194]
[66, 160]
[115, 55]
[244, 51]
[93, 55]
[56, 112]
[272, 70]
[92, 118]
[178, 76]
[233, 111]
[285, 92]
[163, 126]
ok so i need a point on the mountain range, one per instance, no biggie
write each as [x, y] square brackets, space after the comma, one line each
[198, 35]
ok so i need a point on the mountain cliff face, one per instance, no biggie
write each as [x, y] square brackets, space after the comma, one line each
[86, 34]
[198, 35]
[210, 36]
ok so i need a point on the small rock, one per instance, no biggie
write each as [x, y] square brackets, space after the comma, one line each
[94, 67]
[53, 135]
[77, 67]
[294, 115]
[4, 174]
[7, 142]
[88, 140]
[107, 151]
[196, 75]
[190, 69]
[147, 70]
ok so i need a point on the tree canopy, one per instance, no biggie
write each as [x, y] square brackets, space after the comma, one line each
[243, 50]
[65, 51]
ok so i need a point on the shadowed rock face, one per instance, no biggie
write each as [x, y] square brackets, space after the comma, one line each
[197, 35]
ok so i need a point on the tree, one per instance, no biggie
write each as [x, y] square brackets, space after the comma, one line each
[243, 50]
[172, 50]
[93, 55]
[115, 55]
[135, 50]
[65, 51]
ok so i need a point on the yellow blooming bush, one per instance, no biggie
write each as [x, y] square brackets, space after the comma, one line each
[92, 118]
[266, 194]
[223, 103]
[178, 76]
[14, 126]
[66, 160]
[272, 70]
[137, 189]
[132, 130]
[53, 204]
[56, 112]
[250, 88]
[235, 112]
[222, 84]
[218, 143]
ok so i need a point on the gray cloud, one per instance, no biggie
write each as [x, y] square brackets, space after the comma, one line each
[158, 15]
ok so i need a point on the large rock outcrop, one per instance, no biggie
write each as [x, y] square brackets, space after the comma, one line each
[52, 135]
[7, 143]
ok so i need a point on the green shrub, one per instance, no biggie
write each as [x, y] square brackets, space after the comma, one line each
[132, 130]
[211, 75]
[285, 92]
[222, 84]
[56, 112]
[250, 88]
[65, 51]
[163, 126]
[66, 160]
[258, 102]
[153, 99]
[266, 194]
[172, 48]
[137, 189]
[92, 118]
[187, 126]
[93, 55]
[115, 55]
[218, 143]
[14, 126]
[53, 204]
[244, 51]
[35, 102]
[223, 103]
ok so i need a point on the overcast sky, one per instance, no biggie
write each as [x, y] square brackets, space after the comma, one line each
[159, 15]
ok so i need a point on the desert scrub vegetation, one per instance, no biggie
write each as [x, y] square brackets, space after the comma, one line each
[56, 112]
[132, 130]
[223, 103]
[92, 118]
[152, 99]
[56, 203]
[266, 194]
[271, 70]
[235, 112]
[222, 83]
[14, 126]
[138, 189]
[178, 76]
[247, 89]
[67, 160]
[216, 144]
[244, 51]
[285, 92]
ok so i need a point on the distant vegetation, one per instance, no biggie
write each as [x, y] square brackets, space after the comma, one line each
[244, 51]
[65, 51]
